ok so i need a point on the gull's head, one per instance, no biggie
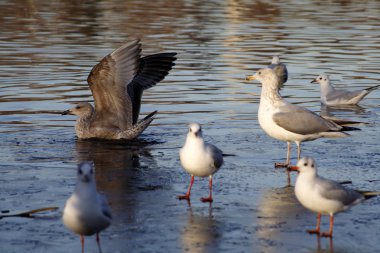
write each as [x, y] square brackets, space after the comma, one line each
[80, 109]
[195, 130]
[322, 79]
[265, 76]
[86, 172]
[276, 59]
[305, 165]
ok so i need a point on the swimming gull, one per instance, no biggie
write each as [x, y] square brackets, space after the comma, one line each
[199, 159]
[288, 122]
[324, 196]
[332, 96]
[280, 70]
[117, 83]
[86, 212]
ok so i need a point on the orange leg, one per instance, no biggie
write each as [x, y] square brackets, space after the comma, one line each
[209, 198]
[187, 195]
[330, 233]
[317, 229]
[82, 242]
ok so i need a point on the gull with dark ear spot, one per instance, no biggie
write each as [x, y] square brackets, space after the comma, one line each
[117, 84]
[199, 159]
[86, 211]
[280, 70]
[322, 195]
[332, 96]
[288, 122]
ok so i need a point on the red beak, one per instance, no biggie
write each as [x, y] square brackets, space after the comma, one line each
[293, 168]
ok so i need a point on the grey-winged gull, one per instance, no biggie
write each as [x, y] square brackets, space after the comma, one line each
[324, 196]
[288, 122]
[86, 211]
[199, 159]
[332, 96]
[117, 83]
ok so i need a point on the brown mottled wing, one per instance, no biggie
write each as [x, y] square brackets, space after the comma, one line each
[108, 82]
[152, 69]
[299, 120]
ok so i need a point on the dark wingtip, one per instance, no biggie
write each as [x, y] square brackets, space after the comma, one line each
[65, 112]
[348, 128]
[150, 115]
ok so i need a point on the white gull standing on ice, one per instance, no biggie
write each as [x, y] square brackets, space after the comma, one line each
[199, 159]
[86, 211]
[322, 195]
[288, 122]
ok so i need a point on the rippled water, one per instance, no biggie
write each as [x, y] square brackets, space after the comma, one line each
[46, 52]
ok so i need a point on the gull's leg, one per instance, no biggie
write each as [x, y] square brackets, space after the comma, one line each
[330, 233]
[82, 242]
[317, 229]
[98, 242]
[298, 150]
[209, 198]
[187, 195]
[282, 165]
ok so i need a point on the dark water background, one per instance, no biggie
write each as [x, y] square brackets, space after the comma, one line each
[47, 49]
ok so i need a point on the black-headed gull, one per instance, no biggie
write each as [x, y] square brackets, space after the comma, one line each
[117, 83]
[322, 195]
[288, 122]
[332, 96]
[86, 211]
[199, 159]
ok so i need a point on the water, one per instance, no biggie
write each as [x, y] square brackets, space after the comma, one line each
[46, 52]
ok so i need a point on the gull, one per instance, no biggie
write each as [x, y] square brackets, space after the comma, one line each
[117, 83]
[86, 211]
[322, 195]
[280, 70]
[199, 159]
[288, 122]
[332, 96]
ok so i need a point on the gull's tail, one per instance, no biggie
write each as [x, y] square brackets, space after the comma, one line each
[139, 127]
[369, 194]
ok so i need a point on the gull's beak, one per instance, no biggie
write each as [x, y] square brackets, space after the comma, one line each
[314, 81]
[249, 78]
[293, 168]
[66, 112]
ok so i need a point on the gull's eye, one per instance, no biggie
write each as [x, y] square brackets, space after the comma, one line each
[305, 164]
[259, 72]
[77, 107]
[312, 165]
[190, 130]
[80, 172]
[320, 78]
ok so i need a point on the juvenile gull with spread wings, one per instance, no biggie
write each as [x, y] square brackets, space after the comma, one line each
[117, 83]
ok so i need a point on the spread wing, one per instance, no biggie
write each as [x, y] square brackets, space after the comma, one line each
[299, 120]
[108, 82]
[152, 69]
